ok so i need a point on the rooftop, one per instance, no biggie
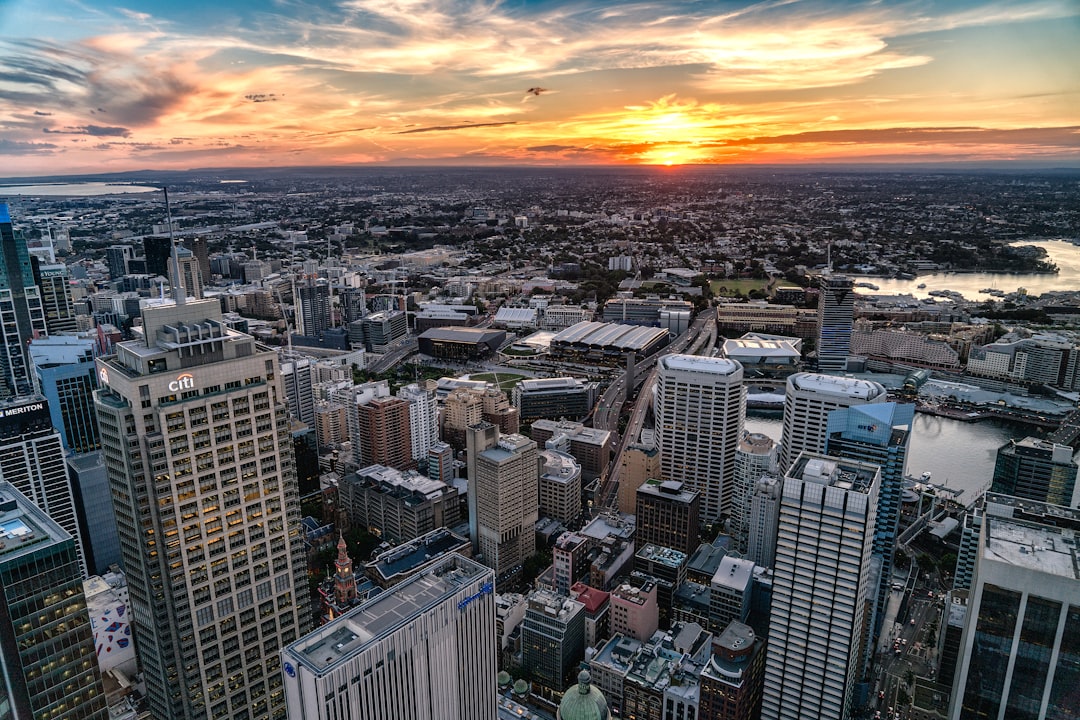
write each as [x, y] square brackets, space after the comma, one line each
[1042, 548]
[847, 475]
[844, 387]
[700, 364]
[408, 557]
[23, 526]
[662, 555]
[734, 573]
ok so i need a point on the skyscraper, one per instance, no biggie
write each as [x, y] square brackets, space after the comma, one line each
[423, 419]
[384, 437]
[22, 311]
[822, 588]
[809, 399]
[504, 481]
[877, 434]
[32, 459]
[314, 304]
[1036, 469]
[191, 279]
[668, 516]
[296, 373]
[117, 258]
[52, 281]
[158, 252]
[1020, 647]
[700, 407]
[425, 649]
[836, 312]
[763, 521]
[50, 669]
[194, 429]
[755, 456]
[64, 367]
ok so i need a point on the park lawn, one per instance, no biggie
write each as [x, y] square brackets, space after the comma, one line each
[734, 285]
[507, 381]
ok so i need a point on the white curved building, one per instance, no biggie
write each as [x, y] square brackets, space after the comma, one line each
[809, 399]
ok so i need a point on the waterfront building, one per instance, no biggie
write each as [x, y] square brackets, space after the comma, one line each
[755, 456]
[1036, 469]
[822, 588]
[808, 400]
[668, 516]
[1019, 652]
[195, 435]
[836, 313]
[32, 460]
[503, 493]
[700, 407]
[23, 313]
[47, 643]
[877, 434]
[424, 650]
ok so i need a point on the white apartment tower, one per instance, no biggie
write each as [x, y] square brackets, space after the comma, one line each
[809, 399]
[700, 407]
[755, 457]
[423, 419]
[762, 521]
[823, 588]
[424, 650]
[195, 437]
[504, 491]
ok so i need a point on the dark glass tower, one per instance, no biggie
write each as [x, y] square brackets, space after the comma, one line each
[22, 316]
[1036, 469]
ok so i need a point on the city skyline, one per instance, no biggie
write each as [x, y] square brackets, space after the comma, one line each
[94, 86]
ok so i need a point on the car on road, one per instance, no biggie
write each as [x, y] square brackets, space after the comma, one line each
[912, 621]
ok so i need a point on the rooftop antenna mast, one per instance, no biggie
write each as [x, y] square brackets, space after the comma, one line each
[179, 292]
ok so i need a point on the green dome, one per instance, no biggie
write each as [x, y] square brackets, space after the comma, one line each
[583, 701]
[503, 679]
[521, 687]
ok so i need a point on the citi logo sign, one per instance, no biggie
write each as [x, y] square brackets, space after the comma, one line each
[183, 381]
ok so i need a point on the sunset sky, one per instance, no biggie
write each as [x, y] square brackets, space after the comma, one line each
[96, 86]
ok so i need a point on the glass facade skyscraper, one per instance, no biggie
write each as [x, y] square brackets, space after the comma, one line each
[22, 315]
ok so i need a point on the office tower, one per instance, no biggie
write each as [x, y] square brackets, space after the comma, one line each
[117, 258]
[296, 374]
[424, 649]
[570, 560]
[668, 516]
[64, 367]
[503, 492]
[158, 252]
[877, 434]
[822, 588]
[1020, 648]
[190, 275]
[23, 312]
[560, 486]
[732, 680]
[314, 301]
[384, 436]
[637, 464]
[52, 281]
[763, 521]
[562, 397]
[836, 312]
[635, 609]
[552, 638]
[808, 400]
[589, 446]
[731, 589]
[353, 303]
[46, 643]
[700, 406]
[423, 418]
[195, 434]
[383, 329]
[94, 510]
[1036, 469]
[32, 459]
[755, 457]
[440, 462]
[201, 250]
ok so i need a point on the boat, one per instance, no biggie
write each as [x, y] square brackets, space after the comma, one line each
[925, 477]
[870, 286]
[921, 286]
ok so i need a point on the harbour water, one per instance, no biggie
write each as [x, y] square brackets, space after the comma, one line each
[958, 454]
[74, 189]
[1061, 252]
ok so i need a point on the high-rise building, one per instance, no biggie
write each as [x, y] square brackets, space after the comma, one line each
[700, 407]
[822, 588]
[808, 400]
[50, 669]
[158, 252]
[201, 250]
[94, 510]
[117, 258]
[637, 464]
[52, 281]
[195, 434]
[755, 457]
[1037, 470]
[64, 367]
[384, 436]
[191, 279]
[731, 681]
[22, 311]
[503, 492]
[423, 419]
[425, 649]
[552, 638]
[560, 486]
[668, 516]
[314, 300]
[440, 462]
[836, 313]
[763, 521]
[32, 459]
[877, 434]
[296, 374]
[1019, 655]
